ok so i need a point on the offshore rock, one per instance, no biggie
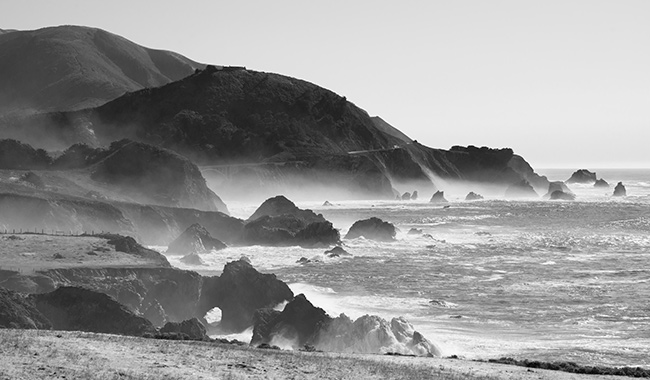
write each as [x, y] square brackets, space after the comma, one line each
[78, 309]
[238, 292]
[472, 196]
[521, 189]
[192, 259]
[582, 176]
[373, 229]
[619, 190]
[195, 239]
[557, 186]
[561, 195]
[406, 196]
[337, 252]
[601, 183]
[438, 197]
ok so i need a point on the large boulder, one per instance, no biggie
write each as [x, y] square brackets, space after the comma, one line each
[195, 239]
[521, 189]
[79, 309]
[238, 292]
[619, 190]
[17, 311]
[438, 197]
[279, 222]
[192, 328]
[373, 229]
[582, 176]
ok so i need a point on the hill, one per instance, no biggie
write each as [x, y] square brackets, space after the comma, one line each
[74, 67]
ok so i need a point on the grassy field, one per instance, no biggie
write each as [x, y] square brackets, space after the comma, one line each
[38, 354]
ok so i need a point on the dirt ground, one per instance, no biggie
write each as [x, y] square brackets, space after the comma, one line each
[38, 354]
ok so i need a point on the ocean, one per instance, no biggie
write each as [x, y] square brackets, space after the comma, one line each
[534, 279]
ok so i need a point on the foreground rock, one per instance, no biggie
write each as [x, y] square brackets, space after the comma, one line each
[373, 229]
[619, 190]
[17, 311]
[238, 292]
[194, 240]
[192, 328]
[438, 197]
[78, 309]
[278, 222]
[521, 189]
[472, 196]
[582, 176]
[301, 323]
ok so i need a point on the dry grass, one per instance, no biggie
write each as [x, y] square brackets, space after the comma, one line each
[34, 354]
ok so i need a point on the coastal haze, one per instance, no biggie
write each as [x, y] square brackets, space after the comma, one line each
[450, 181]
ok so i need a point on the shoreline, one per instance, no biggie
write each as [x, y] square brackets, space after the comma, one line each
[31, 354]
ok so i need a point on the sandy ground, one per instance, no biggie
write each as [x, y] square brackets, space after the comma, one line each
[27, 253]
[38, 354]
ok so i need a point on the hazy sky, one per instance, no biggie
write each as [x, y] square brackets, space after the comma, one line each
[565, 83]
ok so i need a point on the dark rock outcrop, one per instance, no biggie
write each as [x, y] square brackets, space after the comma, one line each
[619, 190]
[406, 196]
[17, 311]
[472, 196]
[561, 195]
[438, 197]
[78, 309]
[521, 189]
[238, 292]
[601, 183]
[414, 196]
[195, 239]
[279, 222]
[582, 176]
[557, 186]
[336, 252]
[192, 259]
[373, 229]
[192, 328]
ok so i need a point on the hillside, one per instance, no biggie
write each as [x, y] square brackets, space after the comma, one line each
[73, 67]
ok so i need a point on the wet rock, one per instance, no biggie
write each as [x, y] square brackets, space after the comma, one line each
[619, 190]
[373, 228]
[195, 239]
[193, 328]
[582, 176]
[601, 183]
[438, 197]
[521, 189]
[472, 196]
[561, 195]
[336, 252]
[79, 309]
[238, 292]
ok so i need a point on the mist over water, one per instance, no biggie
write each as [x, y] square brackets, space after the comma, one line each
[536, 279]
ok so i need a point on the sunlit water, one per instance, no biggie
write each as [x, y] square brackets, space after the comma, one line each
[546, 280]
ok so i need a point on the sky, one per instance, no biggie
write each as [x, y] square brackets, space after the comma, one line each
[565, 83]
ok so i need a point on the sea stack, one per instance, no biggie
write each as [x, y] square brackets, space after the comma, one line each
[438, 197]
[619, 190]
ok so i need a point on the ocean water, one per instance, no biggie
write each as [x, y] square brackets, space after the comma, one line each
[536, 279]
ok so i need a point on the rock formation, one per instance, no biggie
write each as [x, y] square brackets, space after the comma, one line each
[373, 229]
[414, 196]
[561, 195]
[406, 196]
[17, 311]
[195, 239]
[619, 190]
[557, 186]
[78, 309]
[438, 197]
[521, 189]
[337, 252]
[238, 292]
[279, 222]
[192, 259]
[582, 176]
[601, 183]
[192, 328]
[472, 196]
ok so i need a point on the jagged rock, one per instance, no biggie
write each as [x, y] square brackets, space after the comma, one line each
[262, 324]
[303, 260]
[238, 292]
[336, 252]
[601, 183]
[582, 176]
[557, 186]
[561, 195]
[78, 309]
[521, 189]
[406, 196]
[279, 222]
[472, 196]
[17, 311]
[414, 196]
[619, 190]
[327, 204]
[438, 197]
[192, 259]
[373, 228]
[193, 328]
[195, 239]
